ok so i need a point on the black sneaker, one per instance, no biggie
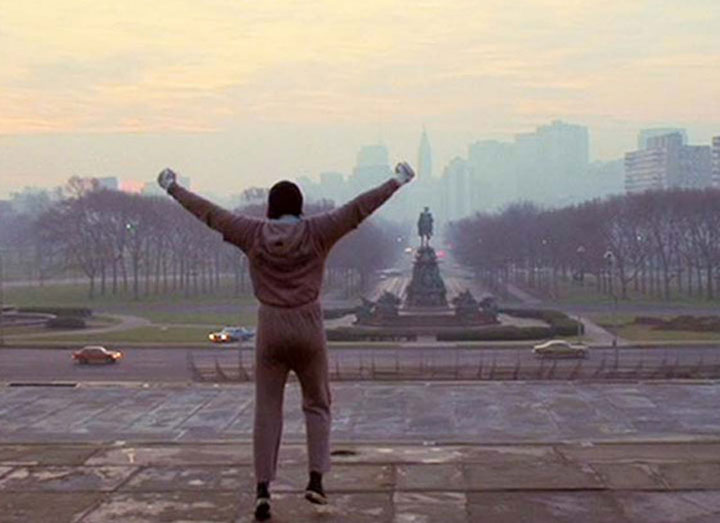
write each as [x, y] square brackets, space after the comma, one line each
[314, 492]
[262, 502]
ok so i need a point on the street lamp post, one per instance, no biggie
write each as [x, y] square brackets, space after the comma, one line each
[610, 259]
[580, 278]
[581, 264]
[2, 304]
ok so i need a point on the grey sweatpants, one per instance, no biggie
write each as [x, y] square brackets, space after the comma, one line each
[290, 339]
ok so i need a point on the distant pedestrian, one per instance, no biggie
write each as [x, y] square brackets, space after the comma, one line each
[287, 254]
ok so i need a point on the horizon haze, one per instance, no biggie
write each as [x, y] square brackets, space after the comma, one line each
[234, 95]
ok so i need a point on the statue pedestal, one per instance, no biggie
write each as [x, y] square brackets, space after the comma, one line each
[426, 288]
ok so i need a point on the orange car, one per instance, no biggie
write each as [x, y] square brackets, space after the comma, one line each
[96, 354]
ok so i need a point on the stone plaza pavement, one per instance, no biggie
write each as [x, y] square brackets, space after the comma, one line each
[402, 453]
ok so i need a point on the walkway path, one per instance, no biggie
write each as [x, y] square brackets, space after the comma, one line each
[447, 412]
[595, 335]
[420, 453]
[524, 297]
[213, 482]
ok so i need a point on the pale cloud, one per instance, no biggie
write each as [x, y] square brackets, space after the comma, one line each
[294, 58]
[471, 67]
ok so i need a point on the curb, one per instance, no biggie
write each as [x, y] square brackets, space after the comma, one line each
[55, 345]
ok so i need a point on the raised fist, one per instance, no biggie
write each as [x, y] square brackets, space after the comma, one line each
[404, 173]
[166, 178]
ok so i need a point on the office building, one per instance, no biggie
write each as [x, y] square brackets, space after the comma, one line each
[495, 174]
[603, 179]
[550, 163]
[424, 163]
[426, 190]
[645, 134]
[108, 182]
[716, 162]
[333, 187]
[153, 189]
[372, 167]
[667, 162]
[457, 189]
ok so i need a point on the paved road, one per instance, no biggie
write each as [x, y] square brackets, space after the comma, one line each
[171, 364]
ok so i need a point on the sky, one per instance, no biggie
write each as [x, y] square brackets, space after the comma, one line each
[234, 93]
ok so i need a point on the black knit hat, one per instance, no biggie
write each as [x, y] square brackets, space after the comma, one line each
[284, 198]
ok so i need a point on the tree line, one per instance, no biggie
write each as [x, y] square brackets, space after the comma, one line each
[143, 245]
[661, 244]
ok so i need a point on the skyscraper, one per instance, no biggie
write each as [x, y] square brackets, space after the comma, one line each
[716, 162]
[424, 163]
[333, 186]
[108, 182]
[667, 162]
[494, 173]
[645, 134]
[551, 162]
[372, 167]
[457, 190]
[426, 191]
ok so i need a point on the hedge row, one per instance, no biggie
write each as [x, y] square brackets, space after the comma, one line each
[77, 312]
[682, 323]
[560, 323]
[333, 314]
[498, 333]
[379, 334]
[65, 322]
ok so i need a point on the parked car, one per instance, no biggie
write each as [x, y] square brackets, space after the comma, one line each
[96, 354]
[561, 349]
[228, 334]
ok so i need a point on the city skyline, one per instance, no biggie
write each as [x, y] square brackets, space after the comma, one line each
[218, 87]
[549, 167]
[131, 181]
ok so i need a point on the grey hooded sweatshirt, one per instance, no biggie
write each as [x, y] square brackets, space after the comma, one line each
[287, 258]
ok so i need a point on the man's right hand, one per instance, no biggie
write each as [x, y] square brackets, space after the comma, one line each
[167, 178]
[404, 173]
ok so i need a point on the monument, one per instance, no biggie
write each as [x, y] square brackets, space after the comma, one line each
[426, 288]
[425, 309]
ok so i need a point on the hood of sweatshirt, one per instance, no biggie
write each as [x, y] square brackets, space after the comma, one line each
[284, 243]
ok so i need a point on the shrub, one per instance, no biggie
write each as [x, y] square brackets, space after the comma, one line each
[76, 312]
[649, 320]
[65, 322]
[691, 323]
[501, 333]
[333, 314]
[375, 334]
[560, 323]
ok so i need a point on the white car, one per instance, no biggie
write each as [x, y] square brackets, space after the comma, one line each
[560, 349]
[228, 334]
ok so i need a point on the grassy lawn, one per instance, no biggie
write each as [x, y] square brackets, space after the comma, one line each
[569, 293]
[102, 321]
[244, 317]
[76, 295]
[645, 333]
[636, 332]
[201, 314]
[140, 335]
[95, 322]
[166, 308]
[608, 320]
